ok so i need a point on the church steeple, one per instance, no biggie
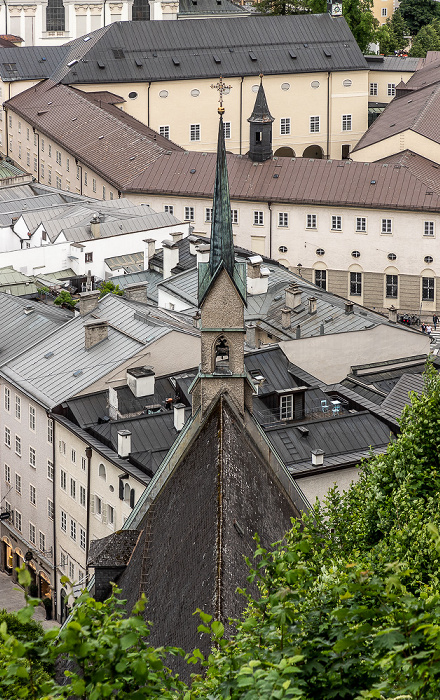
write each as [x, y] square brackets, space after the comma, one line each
[260, 137]
[222, 241]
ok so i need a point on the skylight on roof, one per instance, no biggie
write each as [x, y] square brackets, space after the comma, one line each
[77, 373]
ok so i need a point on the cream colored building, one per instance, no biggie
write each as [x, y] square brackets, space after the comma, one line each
[383, 9]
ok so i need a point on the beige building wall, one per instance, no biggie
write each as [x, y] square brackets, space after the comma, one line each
[382, 84]
[295, 96]
[383, 9]
[395, 144]
[317, 486]
[331, 356]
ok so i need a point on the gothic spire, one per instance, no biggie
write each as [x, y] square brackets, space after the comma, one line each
[261, 114]
[222, 242]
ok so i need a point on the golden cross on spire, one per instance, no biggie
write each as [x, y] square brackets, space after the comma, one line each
[221, 87]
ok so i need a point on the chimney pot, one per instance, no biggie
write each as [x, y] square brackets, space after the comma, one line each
[317, 458]
[196, 319]
[286, 317]
[94, 332]
[141, 381]
[149, 251]
[298, 332]
[179, 416]
[176, 236]
[170, 257]
[202, 253]
[312, 305]
[251, 335]
[193, 242]
[392, 314]
[95, 226]
[137, 292]
[88, 301]
[124, 443]
[293, 296]
[349, 307]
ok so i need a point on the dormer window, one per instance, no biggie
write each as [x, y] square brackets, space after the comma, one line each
[286, 407]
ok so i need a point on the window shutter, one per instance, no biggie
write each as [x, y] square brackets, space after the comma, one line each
[92, 503]
[104, 513]
[132, 498]
[121, 489]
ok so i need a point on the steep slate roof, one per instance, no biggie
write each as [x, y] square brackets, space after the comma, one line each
[114, 147]
[427, 72]
[299, 180]
[189, 8]
[418, 111]
[170, 50]
[428, 171]
[399, 396]
[30, 62]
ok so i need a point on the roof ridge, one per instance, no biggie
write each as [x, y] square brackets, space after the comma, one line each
[432, 97]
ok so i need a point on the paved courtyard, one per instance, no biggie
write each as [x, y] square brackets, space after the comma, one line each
[12, 598]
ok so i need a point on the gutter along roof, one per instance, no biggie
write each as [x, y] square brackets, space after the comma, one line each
[113, 145]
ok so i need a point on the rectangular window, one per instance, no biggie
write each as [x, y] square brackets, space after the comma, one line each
[83, 463]
[58, 182]
[208, 214]
[7, 437]
[49, 176]
[42, 145]
[49, 150]
[28, 158]
[62, 447]
[73, 488]
[77, 172]
[71, 571]
[19, 127]
[35, 139]
[7, 396]
[98, 505]
[361, 224]
[49, 470]
[10, 122]
[73, 456]
[189, 213]
[49, 509]
[321, 278]
[32, 417]
[93, 184]
[88, 257]
[50, 430]
[63, 479]
[35, 164]
[27, 134]
[286, 407]
[387, 226]
[32, 458]
[234, 216]
[164, 131]
[194, 132]
[18, 483]
[227, 129]
[82, 538]
[111, 195]
[258, 218]
[73, 529]
[336, 223]
[384, 12]
[111, 515]
[391, 89]
[42, 542]
[42, 171]
[82, 496]
[63, 521]
[391, 286]
[311, 221]
[7, 474]
[429, 228]
[427, 288]
[346, 122]
[58, 157]
[32, 533]
[63, 559]
[285, 126]
[18, 522]
[169, 209]
[103, 192]
[18, 445]
[314, 125]
[283, 219]
[17, 407]
[67, 164]
[32, 495]
[10, 145]
[85, 178]
[355, 284]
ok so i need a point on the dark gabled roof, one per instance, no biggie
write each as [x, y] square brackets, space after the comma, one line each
[260, 113]
[277, 370]
[30, 62]
[397, 64]
[205, 48]
[399, 396]
[115, 147]
[197, 8]
[113, 550]
[417, 111]
[297, 181]
[427, 171]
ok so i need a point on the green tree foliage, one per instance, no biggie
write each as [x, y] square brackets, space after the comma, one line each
[290, 7]
[392, 35]
[109, 287]
[65, 299]
[427, 39]
[419, 13]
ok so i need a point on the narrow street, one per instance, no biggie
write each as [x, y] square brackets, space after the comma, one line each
[12, 599]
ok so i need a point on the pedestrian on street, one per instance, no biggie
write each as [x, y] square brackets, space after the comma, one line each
[423, 328]
[435, 321]
[428, 329]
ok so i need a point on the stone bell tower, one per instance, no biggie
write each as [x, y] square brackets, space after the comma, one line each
[222, 298]
[260, 136]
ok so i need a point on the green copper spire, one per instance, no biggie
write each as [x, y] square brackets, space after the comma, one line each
[222, 242]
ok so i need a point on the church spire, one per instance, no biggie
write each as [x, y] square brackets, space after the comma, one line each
[222, 241]
[260, 137]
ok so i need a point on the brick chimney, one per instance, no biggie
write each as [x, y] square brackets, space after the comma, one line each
[176, 236]
[349, 307]
[95, 226]
[95, 330]
[293, 296]
[312, 305]
[149, 250]
[88, 301]
[170, 257]
[286, 317]
[136, 292]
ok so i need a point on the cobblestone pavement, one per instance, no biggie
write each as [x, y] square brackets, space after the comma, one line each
[12, 598]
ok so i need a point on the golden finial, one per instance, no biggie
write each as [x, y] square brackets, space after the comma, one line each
[221, 87]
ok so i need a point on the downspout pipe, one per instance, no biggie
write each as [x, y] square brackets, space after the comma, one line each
[241, 115]
[269, 204]
[55, 588]
[89, 469]
[328, 114]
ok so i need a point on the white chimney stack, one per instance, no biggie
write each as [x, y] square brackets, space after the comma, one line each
[179, 416]
[193, 243]
[170, 257]
[124, 443]
[141, 381]
[257, 277]
[317, 458]
[293, 296]
[202, 253]
[392, 314]
[149, 250]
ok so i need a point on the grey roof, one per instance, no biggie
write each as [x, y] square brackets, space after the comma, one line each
[343, 434]
[49, 370]
[151, 276]
[113, 550]
[170, 50]
[21, 329]
[149, 221]
[132, 262]
[30, 62]
[198, 8]
[399, 396]
[397, 64]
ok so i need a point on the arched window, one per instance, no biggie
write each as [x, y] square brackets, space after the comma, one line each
[55, 16]
[140, 10]
[221, 355]
[127, 493]
[102, 472]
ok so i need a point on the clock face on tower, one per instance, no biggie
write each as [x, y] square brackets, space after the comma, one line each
[337, 9]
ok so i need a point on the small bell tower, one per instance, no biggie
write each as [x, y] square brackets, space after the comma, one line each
[222, 298]
[260, 137]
